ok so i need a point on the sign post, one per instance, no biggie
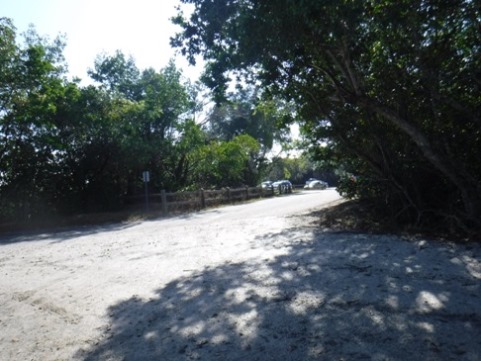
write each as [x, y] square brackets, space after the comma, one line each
[146, 178]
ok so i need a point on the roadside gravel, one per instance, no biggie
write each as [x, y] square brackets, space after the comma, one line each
[258, 281]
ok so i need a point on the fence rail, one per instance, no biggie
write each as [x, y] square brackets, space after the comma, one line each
[186, 201]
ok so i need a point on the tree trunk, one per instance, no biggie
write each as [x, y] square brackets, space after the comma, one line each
[469, 193]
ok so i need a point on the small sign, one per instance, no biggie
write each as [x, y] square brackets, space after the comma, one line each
[146, 176]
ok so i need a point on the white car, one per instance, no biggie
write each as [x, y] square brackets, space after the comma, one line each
[316, 184]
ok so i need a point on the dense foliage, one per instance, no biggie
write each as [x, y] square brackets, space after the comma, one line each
[389, 89]
[68, 149]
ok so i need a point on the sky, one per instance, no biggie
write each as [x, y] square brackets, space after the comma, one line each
[140, 28]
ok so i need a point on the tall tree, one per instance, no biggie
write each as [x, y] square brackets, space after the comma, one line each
[30, 86]
[117, 73]
[244, 112]
[158, 105]
[407, 69]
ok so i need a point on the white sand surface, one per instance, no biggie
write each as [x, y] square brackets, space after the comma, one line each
[258, 281]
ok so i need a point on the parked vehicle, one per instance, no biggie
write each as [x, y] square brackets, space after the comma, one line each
[316, 184]
[311, 180]
[284, 186]
[267, 185]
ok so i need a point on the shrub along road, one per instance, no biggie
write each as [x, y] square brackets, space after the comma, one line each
[257, 281]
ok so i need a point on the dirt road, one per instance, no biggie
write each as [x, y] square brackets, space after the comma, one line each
[258, 281]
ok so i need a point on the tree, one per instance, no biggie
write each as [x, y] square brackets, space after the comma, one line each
[245, 113]
[184, 155]
[94, 152]
[155, 105]
[395, 84]
[226, 164]
[118, 74]
[30, 87]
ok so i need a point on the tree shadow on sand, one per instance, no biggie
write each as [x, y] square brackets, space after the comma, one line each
[330, 296]
[63, 234]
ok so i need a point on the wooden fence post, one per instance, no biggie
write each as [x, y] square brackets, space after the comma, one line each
[202, 198]
[163, 197]
[247, 193]
[228, 195]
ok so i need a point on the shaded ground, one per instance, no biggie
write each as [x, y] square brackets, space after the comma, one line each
[241, 283]
[359, 216]
[335, 297]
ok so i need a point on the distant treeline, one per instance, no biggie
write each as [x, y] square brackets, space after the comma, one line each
[67, 149]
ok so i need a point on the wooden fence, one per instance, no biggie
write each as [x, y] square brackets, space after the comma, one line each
[188, 201]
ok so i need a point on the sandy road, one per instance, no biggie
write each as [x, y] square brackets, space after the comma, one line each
[257, 281]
